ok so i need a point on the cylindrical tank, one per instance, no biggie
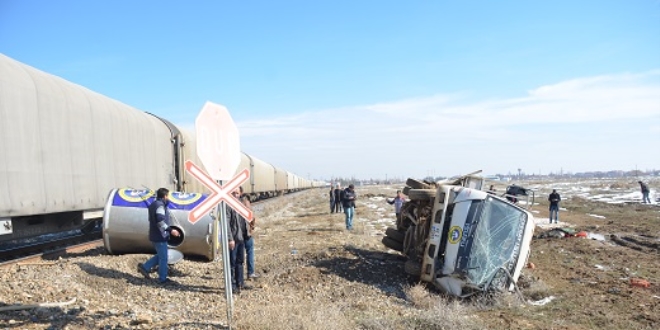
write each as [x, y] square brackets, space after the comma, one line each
[126, 223]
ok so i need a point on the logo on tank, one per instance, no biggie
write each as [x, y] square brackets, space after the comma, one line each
[455, 234]
[183, 198]
[135, 195]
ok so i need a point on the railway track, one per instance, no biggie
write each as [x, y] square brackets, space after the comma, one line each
[50, 250]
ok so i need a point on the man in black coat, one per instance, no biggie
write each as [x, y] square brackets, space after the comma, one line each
[645, 192]
[159, 233]
[554, 200]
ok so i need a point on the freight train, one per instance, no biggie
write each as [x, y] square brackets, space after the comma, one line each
[65, 148]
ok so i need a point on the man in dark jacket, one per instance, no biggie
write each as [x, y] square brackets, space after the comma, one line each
[238, 229]
[554, 200]
[159, 233]
[348, 201]
[332, 200]
[338, 198]
[645, 192]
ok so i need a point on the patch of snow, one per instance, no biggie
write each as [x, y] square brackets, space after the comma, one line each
[542, 302]
[596, 216]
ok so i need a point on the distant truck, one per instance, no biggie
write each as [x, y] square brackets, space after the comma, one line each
[461, 238]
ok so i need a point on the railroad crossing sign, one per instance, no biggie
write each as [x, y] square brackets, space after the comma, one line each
[217, 141]
[218, 193]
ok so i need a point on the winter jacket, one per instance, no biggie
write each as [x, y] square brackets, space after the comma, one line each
[159, 221]
[348, 199]
[554, 199]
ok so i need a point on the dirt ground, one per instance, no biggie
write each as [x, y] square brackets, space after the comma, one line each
[317, 275]
[588, 279]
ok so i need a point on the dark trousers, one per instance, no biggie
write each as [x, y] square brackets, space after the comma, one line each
[237, 259]
[338, 207]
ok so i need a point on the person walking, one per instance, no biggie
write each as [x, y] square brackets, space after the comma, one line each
[645, 192]
[249, 239]
[159, 233]
[338, 198]
[349, 205]
[554, 199]
[238, 232]
[398, 205]
[332, 200]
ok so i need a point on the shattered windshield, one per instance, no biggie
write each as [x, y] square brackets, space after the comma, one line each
[496, 240]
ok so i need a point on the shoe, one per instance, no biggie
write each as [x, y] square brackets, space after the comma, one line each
[245, 287]
[143, 271]
[236, 290]
[167, 281]
[254, 275]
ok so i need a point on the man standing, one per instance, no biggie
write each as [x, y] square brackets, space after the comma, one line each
[349, 205]
[238, 233]
[332, 200]
[249, 238]
[159, 233]
[338, 198]
[554, 199]
[398, 204]
[645, 192]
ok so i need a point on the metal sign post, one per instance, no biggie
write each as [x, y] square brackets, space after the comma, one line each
[218, 148]
[226, 266]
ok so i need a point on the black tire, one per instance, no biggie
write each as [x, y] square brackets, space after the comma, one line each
[408, 240]
[421, 194]
[394, 234]
[416, 184]
[392, 244]
[413, 267]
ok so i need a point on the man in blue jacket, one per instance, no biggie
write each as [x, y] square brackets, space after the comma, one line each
[159, 233]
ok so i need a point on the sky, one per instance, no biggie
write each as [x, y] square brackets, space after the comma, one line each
[374, 89]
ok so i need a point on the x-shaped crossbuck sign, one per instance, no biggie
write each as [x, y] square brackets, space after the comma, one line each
[218, 193]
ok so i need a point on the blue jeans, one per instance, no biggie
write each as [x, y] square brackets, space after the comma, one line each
[332, 206]
[349, 216]
[249, 251]
[554, 209]
[160, 259]
[236, 259]
[645, 197]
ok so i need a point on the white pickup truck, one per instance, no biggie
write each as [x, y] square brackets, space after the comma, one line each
[460, 238]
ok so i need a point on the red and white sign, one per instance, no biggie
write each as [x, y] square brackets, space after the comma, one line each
[217, 141]
[218, 193]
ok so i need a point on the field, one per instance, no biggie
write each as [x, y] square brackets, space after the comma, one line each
[351, 279]
[316, 275]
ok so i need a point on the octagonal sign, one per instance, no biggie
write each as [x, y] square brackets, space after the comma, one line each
[218, 144]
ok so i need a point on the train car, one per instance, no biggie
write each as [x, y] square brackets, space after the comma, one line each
[66, 148]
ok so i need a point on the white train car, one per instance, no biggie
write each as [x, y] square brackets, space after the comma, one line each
[65, 148]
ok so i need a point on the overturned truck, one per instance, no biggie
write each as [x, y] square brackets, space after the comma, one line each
[461, 238]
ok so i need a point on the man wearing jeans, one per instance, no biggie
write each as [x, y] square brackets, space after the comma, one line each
[159, 233]
[554, 199]
[349, 205]
[645, 192]
[249, 239]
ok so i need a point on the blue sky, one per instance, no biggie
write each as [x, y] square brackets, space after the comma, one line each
[374, 88]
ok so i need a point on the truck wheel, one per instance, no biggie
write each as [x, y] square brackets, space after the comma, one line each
[413, 267]
[416, 184]
[421, 194]
[394, 234]
[392, 244]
